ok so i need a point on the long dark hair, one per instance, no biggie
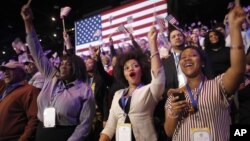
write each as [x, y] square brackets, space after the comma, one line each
[78, 66]
[207, 43]
[143, 62]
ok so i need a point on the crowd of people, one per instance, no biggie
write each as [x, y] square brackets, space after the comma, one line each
[187, 85]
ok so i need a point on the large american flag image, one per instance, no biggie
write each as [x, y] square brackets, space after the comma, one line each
[137, 17]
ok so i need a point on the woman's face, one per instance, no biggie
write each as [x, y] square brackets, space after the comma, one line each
[90, 65]
[66, 70]
[194, 38]
[132, 72]
[190, 63]
[9, 76]
[213, 38]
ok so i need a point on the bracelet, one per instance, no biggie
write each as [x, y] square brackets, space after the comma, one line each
[237, 47]
[170, 114]
[151, 56]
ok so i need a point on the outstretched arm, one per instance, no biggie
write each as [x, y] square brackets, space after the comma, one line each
[234, 74]
[69, 48]
[155, 57]
[111, 46]
[42, 62]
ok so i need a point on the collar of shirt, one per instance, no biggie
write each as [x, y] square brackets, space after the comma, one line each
[61, 86]
[10, 88]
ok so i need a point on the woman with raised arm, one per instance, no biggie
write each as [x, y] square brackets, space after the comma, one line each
[66, 104]
[132, 108]
[203, 112]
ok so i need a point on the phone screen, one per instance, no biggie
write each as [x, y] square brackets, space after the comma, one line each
[180, 95]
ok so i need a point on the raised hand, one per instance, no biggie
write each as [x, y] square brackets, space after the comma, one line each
[177, 106]
[152, 35]
[66, 36]
[236, 16]
[26, 13]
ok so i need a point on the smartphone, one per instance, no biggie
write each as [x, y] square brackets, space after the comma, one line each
[180, 95]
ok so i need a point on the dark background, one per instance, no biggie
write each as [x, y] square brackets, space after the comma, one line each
[11, 25]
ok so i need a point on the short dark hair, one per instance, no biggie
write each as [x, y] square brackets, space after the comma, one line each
[78, 66]
[169, 33]
[143, 61]
[206, 70]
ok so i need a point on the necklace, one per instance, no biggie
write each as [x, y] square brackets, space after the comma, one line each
[216, 49]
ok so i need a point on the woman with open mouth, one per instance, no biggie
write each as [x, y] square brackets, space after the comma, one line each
[132, 108]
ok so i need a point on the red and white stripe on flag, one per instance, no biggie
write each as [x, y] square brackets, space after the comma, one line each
[143, 16]
[64, 11]
[171, 19]
[160, 22]
[122, 29]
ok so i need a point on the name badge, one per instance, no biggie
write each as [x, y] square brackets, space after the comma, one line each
[200, 134]
[124, 132]
[49, 117]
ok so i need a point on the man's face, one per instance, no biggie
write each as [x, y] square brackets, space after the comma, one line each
[18, 46]
[176, 38]
[105, 60]
[30, 68]
[203, 32]
[143, 43]
[12, 76]
[196, 31]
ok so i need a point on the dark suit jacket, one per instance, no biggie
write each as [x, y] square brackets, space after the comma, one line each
[171, 82]
[170, 73]
[105, 87]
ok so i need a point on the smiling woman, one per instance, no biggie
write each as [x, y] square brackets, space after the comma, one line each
[66, 104]
[206, 109]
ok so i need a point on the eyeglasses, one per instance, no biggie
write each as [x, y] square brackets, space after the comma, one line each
[133, 66]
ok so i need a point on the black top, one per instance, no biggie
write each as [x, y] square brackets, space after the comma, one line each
[219, 60]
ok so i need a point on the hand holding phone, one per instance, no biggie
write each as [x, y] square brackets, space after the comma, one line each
[180, 95]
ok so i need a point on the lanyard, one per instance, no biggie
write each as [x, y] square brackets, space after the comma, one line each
[125, 103]
[193, 101]
[176, 60]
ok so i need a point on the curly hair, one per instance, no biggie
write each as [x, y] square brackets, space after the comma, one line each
[78, 66]
[143, 61]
